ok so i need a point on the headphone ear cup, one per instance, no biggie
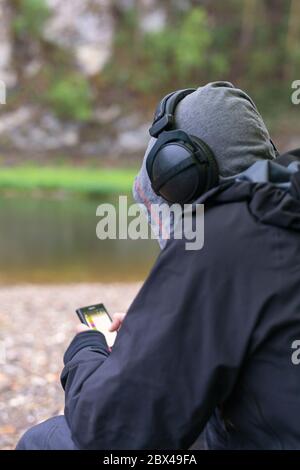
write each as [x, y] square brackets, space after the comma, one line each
[212, 166]
[184, 185]
[181, 167]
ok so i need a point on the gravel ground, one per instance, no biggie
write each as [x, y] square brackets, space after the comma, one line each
[36, 325]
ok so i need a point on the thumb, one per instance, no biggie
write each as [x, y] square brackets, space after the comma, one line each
[117, 321]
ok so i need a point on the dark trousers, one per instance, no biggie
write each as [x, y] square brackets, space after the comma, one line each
[54, 434]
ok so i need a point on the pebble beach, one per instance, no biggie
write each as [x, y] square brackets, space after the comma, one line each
[37, 322]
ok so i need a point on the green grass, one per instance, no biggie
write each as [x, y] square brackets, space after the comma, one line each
[81, 180]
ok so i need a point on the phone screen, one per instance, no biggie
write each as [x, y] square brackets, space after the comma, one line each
[97, 318]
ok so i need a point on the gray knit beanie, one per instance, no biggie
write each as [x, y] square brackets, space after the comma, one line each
[228, 121]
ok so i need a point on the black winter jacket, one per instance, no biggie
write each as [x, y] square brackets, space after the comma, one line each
[208, 341]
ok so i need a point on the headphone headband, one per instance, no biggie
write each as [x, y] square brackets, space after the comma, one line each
[164, 114]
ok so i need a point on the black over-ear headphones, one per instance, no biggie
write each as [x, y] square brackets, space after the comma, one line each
[180, 166]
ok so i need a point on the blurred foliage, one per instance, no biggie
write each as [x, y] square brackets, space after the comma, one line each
[253, 43]
[174, 53]
[31, 17]
[71, 98]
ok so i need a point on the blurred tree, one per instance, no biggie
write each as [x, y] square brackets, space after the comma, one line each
[30, 17]
[71, 98]
[155, 60]
[193, 41]
[163, 45]
[292, 41]
[28, 21]
[249, 19]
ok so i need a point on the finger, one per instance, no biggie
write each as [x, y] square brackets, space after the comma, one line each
[115, 325]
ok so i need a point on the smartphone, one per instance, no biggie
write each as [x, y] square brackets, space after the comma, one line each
[97, 318]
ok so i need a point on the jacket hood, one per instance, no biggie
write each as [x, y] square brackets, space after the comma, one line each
[227, 119]
[268, 189]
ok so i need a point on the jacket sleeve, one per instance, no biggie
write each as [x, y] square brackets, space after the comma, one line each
[175, 359]
[89, 350]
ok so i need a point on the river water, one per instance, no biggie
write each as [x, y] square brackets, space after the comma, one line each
[54, 241]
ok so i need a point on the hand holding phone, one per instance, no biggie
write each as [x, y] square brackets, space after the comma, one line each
[97, 317]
